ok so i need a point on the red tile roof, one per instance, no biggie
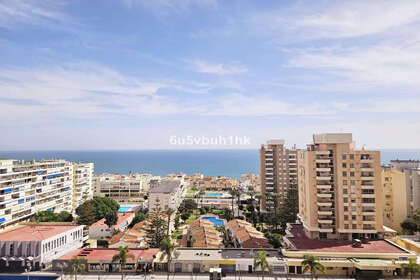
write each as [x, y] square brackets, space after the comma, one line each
[122, 216]
[303, 243]
[35, 232]
[106, 254]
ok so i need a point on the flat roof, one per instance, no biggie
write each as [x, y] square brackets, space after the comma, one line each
[303, 243]
[195, 253]
[35, 232]
[122, 216]
[167, 186]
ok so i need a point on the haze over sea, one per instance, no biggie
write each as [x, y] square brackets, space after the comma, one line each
[231, 163]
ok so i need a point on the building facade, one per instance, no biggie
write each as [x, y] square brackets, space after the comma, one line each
[100, 230]
[340, 191]
[278, 173]
[167, 194]
[122, 188]
[27, 187]
[82, 183]
[401, 164]
[395, 198]
[412, 181]
[31, 246]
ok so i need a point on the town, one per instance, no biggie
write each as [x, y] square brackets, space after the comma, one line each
[329, 210]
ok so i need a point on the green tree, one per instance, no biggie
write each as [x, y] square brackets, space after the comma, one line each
[409, 226]
[168, 250]
[289, 209]
[187, 206]
[234, 193]
[169, 213]
[121, 258]
[86, 213]
[261, 261]
[155, 231]
[416, 218]
[311, 263]
[77, 266]
[111, 218]
[65, 216]
[50, 216]
[411, 268]
[139, 217]
[259, 197]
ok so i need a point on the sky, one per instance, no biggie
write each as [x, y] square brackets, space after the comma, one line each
[141, 74]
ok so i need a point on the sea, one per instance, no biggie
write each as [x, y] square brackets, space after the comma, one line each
[230, 163]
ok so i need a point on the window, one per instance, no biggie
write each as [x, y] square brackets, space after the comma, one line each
[345, 200]
[346, 208]
[344, 182]
[351, 173]
[12, 249]
[346, 217]
[353, 200]
[344, 165]
[353, 208]
[351, 165]
[344, 173]
[344, 191]
[354, 226]
[351, 157]
[344, 157]
[346, 226]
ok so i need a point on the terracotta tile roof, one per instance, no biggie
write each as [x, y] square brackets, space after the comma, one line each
[301, 242]
[247, 235]
[122, 217]
[204, 234]
[106, 254]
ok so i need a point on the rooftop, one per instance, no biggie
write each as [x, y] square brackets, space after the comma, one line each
[168, 186]
[122, 217]
[106, 254]
[35, 232]
[302, 243]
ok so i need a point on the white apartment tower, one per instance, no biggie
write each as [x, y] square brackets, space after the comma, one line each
[82, 183]
[27, 187]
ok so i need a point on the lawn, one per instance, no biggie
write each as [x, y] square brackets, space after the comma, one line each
[190, 193]
[194, 215]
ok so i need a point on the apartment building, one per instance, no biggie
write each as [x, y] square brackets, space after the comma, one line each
[412, 181]
[340, 191]
[220, 183]
[33, 245]
[27, 187]
[82, 183]
[278, 173]
[395, 198]
[167, 194]
[401, 164]
[122, 188]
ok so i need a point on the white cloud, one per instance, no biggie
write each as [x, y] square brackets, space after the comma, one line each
[203, 66]
[37, 12]
[240, 105]
[342, 19]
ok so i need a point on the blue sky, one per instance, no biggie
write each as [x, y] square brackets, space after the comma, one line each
[129, 74]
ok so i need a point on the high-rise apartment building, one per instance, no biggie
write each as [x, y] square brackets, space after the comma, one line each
[278, 173]
[27, 187]
[82, 183]
[412, 181]
[340, 191]
[395, 198]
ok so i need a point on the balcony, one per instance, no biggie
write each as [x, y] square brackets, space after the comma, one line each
[323, 178]
[325, 221]
[367, 178]
[322, 153]
[369, 222]
[366, 169]
[324, 195]
[324, 203]
[323, 187]
[325, 212]
[323, 169]
[323, 160]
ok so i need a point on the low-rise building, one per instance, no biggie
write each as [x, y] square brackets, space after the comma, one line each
[99, 260]
[33, 245]
[167, 194]
[376, 258]
[193, 260]
[123, 188]
[133, 237]
[203, 234]
[82, 183]
[217, 200]
[100, 230]
[244, 235]
[216, 183]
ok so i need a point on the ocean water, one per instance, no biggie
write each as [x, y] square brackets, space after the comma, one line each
[231, 163]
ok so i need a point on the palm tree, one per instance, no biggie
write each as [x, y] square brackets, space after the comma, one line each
[168, 250]
[238, 199]
[233, 193]
[259, 197]
[311, 263]
[261, 260]
[121, 258]
[77, 266]
[411, 267]
[169, 212]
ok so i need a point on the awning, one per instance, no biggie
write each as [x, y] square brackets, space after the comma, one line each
[372, 264]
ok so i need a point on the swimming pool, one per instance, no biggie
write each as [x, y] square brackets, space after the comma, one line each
[216, 222]
[124, 209]
[213, 194]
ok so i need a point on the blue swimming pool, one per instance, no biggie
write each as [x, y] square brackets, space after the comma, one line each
[124, 208]
[213, 194]
[216, 222]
